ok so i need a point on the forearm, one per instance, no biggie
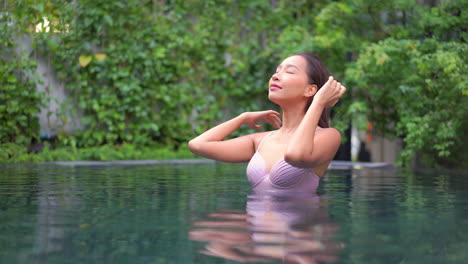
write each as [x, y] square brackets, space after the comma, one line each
[212, 143]
[217, 133]
[221, 131]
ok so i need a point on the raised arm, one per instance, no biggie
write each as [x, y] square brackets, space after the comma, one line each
[309, 147]
[211, 144]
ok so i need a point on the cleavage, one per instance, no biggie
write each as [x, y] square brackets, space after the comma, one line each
[270, 157]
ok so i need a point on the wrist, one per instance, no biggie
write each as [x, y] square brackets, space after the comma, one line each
[318, 104]
[242, 118]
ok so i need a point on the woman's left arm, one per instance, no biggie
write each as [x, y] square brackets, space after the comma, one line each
[309, 150]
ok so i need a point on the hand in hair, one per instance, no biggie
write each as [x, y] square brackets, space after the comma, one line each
[330, 93]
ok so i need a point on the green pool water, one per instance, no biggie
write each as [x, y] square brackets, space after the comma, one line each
[206, 213]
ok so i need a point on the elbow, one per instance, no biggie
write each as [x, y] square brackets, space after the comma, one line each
[295, 159]
[193, 146]
[299, 160]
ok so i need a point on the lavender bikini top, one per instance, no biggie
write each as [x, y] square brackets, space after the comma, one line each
[281, 176]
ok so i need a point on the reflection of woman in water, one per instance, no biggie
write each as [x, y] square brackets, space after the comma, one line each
[296, 154]
[289, 227]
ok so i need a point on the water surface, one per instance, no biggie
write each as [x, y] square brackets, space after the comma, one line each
[206, 213]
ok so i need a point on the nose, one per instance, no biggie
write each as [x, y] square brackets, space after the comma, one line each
[274, 77]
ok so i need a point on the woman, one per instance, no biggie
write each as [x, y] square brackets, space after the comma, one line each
[296, 154]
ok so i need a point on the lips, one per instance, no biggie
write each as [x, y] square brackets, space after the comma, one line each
[274, 87]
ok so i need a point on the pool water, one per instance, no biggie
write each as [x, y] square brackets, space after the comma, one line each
[206, 213]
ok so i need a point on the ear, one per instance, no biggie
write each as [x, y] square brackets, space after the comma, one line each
[311, 90]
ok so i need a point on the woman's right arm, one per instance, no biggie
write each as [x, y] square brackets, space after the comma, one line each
[212, 145]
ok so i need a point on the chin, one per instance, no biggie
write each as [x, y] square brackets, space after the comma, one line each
[274, 99]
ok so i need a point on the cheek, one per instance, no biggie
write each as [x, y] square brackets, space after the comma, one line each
[296, 81]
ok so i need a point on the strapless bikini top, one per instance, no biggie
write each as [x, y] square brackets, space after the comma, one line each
[281, 176]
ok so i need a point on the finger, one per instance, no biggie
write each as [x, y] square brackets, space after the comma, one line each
[343, 89]
[273, 112]
[270, 120]
[276, 122]
[279, 121]
[337, 85]
[329, 81]
[273, 116]
[332, 85]
[257, 127]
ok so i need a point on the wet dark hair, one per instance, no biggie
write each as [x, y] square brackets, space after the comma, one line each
[318, 74]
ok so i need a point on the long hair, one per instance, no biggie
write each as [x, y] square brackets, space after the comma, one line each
[317, 74]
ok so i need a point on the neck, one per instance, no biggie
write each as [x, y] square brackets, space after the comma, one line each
[292, 117]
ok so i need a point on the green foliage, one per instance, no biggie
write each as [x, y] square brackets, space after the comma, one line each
[409, 86]
[20, 101]
[149, 71]
[18, 153]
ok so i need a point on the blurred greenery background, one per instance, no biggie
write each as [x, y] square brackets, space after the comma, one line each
[143, 77]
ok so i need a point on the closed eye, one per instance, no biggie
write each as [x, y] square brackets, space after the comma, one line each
[291, 69]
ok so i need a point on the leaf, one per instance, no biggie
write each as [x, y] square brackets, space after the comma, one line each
[85, 60]
[52, 44]
[100, 56]
[108, 20]
[11, 79]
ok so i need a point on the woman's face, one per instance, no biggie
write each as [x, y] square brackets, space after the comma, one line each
[290, 81]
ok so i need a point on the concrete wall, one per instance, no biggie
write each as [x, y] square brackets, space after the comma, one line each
[50, 122]
[384, 150]
[380, 149]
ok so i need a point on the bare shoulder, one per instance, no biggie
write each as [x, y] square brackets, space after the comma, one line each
[257, 137]
[329, 132]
